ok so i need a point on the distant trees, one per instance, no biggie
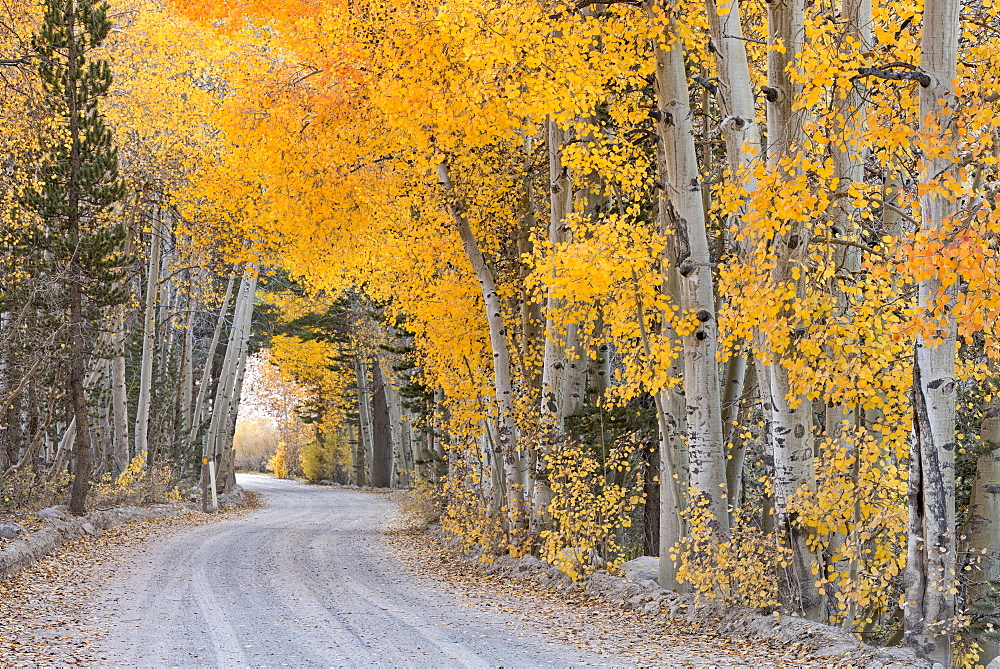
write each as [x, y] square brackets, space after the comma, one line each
[106, 311]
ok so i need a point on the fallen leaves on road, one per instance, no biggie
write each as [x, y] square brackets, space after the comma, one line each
[45, 610]
[587, 623]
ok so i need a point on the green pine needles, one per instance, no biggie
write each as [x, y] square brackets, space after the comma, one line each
[77, 174]
[76, 183]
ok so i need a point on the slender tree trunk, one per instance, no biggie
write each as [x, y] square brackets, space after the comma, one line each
[984, 510]
[187, 377]
[229, 379]
[929, 577]
[83, 454]
[119, 393]
[555, 351]
[503, 385]
[198, 412]
[736, 444]
[685, 214]
[790, 415]
[735, 94]
[148, 338]
[365, 426]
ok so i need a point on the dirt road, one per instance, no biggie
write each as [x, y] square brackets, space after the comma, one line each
[310, 580]
[304, 581]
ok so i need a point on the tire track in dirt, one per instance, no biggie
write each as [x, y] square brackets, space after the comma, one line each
[307, 580]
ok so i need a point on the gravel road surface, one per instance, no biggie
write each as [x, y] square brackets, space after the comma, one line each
[307, 580]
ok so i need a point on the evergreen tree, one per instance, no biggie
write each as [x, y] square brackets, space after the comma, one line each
[76, 183]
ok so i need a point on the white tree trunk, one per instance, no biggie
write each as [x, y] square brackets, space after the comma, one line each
[554, 360]
[685, 214]
[929, 577]
[984, 510]
[503, 385]
[148, 336]
[735, 93]
[187, 376]
[198, 411]
[236, 350]
[790, 416]
[366, 426]
[119, 393]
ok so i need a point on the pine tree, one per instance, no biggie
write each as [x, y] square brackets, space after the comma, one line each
[76, 183]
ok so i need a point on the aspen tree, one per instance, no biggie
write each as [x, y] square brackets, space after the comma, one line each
[791, 429]
[148, 338]
[929, 577]
[684, 216]
[554, 404]
[984, 508]
[217, 439]
[506, 425]
[198, 411]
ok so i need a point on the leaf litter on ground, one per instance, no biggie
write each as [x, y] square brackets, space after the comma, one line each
[46, 614]
[590, 624]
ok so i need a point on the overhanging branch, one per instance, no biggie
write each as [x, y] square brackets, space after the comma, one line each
[909, 73]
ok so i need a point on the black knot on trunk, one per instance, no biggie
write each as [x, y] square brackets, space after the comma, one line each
[701, 335]
[793, 242]
[704, 315]
[666, 117]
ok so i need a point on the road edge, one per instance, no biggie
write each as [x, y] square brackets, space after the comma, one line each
[645, 595]
[26, 551]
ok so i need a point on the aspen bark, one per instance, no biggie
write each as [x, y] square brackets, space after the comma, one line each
[228, 466]
[984, 511]
[929, 576]
[198, 411]
[735, 443]
[790, 415]
[735, 94]
[365, 426]
[119, 395]
[148, 335]
[685, 214]
[848, 162]
[503, 384]
[231, 365]
[187, 377]
[397, 427]
[552, 409]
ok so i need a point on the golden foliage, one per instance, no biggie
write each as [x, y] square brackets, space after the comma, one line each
[739, 569]
[593, 497]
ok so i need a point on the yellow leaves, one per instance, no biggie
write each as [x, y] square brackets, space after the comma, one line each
[738, 570]
[587, 508]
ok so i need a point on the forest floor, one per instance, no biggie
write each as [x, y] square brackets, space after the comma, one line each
[317, 577]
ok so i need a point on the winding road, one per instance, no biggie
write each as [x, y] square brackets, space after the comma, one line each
[307, 580]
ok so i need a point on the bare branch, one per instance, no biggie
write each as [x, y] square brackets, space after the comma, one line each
[847, 242]
[902, 213]
[582, 4]
[707, 83]
[745, 39]
[911, 73]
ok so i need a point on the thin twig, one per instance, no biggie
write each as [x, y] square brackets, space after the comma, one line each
[857, 245]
